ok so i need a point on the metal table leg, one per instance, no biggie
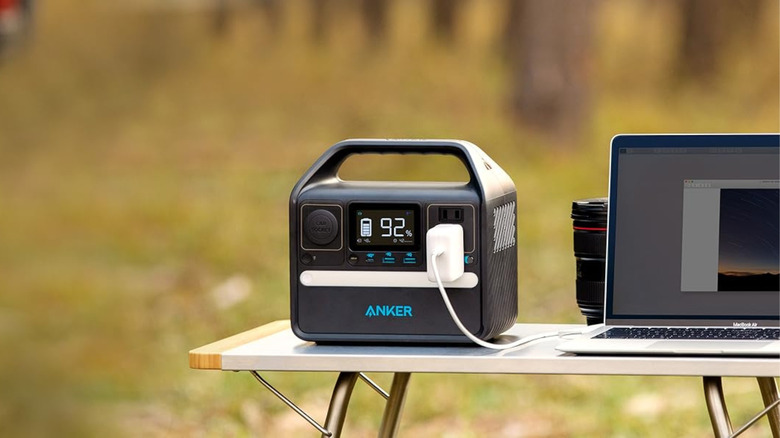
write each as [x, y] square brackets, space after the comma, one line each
[339, 401]
[395, 404]
[769, 393]
[716, 405]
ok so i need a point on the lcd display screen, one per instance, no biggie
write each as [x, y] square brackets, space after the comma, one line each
[384, 226]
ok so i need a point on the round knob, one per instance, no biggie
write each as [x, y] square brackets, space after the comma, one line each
[321, 227]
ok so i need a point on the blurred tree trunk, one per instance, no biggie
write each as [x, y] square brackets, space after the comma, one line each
[375, 19]
[512, 29]
[444, 17]
[551, 41]
[701, 37]
[221, 18]
[320, 18]
[707, 27]
[274, 14]
[224, 9]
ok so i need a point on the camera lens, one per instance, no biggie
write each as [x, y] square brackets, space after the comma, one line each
[590, 249]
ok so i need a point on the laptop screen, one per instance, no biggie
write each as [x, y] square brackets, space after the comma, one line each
[694, 230]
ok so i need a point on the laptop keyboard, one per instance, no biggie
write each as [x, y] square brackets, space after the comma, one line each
[691, 333]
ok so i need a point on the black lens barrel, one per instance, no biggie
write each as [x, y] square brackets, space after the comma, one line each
[590, 247]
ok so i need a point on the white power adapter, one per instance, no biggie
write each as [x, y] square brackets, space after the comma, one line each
[445, 242]
[445, 264]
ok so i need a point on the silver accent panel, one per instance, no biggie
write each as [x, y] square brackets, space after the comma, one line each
[381, 279]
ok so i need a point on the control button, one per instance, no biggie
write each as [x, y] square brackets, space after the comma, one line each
[321, 227]
[370, 257]
[410, 258]
[353, 259]
[388, 258]
[468, 259]
[306, 259]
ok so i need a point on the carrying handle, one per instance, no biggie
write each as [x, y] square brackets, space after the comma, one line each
[328, 165]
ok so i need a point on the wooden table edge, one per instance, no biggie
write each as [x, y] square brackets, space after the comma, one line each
[209, 357]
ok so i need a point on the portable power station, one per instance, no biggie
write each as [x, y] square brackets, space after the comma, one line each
[358, 265]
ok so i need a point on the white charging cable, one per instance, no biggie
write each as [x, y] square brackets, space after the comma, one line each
[438, 251]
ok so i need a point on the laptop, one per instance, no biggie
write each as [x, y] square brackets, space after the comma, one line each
[693, 238]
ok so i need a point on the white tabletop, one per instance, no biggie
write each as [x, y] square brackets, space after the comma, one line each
[283, 351]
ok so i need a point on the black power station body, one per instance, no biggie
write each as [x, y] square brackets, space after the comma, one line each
[358, 250]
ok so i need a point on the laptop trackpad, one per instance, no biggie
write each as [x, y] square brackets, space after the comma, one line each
[706, 345]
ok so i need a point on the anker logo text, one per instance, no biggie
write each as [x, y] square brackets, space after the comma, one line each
[391, 311]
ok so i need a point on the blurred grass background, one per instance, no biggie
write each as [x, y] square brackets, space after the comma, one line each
[145, 169]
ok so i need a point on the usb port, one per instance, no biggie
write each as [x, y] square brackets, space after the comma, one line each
[452, 215]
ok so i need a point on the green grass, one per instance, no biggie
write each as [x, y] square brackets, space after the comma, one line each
[143, 163]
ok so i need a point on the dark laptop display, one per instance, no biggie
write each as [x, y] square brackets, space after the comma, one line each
[693, 239]
[694, 230]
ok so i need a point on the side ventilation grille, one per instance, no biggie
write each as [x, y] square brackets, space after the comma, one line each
[503, 227]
